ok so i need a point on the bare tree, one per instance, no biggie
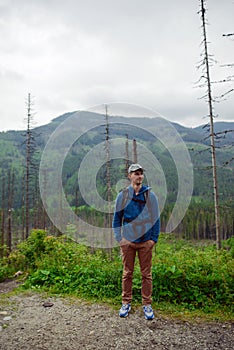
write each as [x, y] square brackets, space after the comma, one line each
[134, 151]
[3, 217]
[126, 157]
[28, 155]
[205, 64]
[31, 166]
[107, 148]
[45, 180]
[23, 206]
[10, 194]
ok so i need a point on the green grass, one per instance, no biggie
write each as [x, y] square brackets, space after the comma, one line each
[190, 279]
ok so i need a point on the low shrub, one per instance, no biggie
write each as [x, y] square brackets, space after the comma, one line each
[196, 276]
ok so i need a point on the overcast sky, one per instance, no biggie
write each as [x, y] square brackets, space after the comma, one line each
[73, 54]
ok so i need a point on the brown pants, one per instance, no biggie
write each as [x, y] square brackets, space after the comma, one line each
[144, 250]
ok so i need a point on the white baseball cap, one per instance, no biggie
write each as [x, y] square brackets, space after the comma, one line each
[134, 167]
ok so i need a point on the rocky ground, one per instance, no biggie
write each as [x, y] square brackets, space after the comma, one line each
[33, 322]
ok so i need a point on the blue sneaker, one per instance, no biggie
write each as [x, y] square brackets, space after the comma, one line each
[123, 312]
[148, 312]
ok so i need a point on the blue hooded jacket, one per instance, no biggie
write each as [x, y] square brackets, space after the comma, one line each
[139, 220]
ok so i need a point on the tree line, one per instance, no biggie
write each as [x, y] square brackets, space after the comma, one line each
[206, 218]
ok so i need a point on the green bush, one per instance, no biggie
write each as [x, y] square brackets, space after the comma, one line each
[33, 247]
[229, 245]
[196, 276]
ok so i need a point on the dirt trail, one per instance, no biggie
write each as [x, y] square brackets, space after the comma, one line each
[25, 324]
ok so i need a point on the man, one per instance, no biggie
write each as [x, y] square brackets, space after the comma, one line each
[136, 226]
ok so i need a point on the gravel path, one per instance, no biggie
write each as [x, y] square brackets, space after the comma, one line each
[26, 324]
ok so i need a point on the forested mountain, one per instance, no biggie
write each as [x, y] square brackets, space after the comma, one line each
[12, 158]
[12, 147]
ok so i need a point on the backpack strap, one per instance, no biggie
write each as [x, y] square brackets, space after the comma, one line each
[143, 202]
[146, 195]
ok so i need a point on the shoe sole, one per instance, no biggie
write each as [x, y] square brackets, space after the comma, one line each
[149, 318]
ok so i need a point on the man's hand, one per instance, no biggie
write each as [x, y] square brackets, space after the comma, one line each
[124, 241]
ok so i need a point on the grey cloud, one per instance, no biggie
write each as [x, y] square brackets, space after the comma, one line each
[74, 54]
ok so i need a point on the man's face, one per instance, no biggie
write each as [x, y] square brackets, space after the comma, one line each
[136, 177]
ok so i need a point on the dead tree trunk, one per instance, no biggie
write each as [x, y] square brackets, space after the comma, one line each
[3, 217]
[31, 163]
[10, 194]
[28, 154]
[45, 179]
[126, 158]
[134, 151]
[23, 208]
[107, 148]
[212, 134]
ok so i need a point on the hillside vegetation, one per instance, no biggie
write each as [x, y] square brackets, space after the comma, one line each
[199, 220]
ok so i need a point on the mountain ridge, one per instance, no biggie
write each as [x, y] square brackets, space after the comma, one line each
[197, 134]
[12, 149]
[189, 134]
